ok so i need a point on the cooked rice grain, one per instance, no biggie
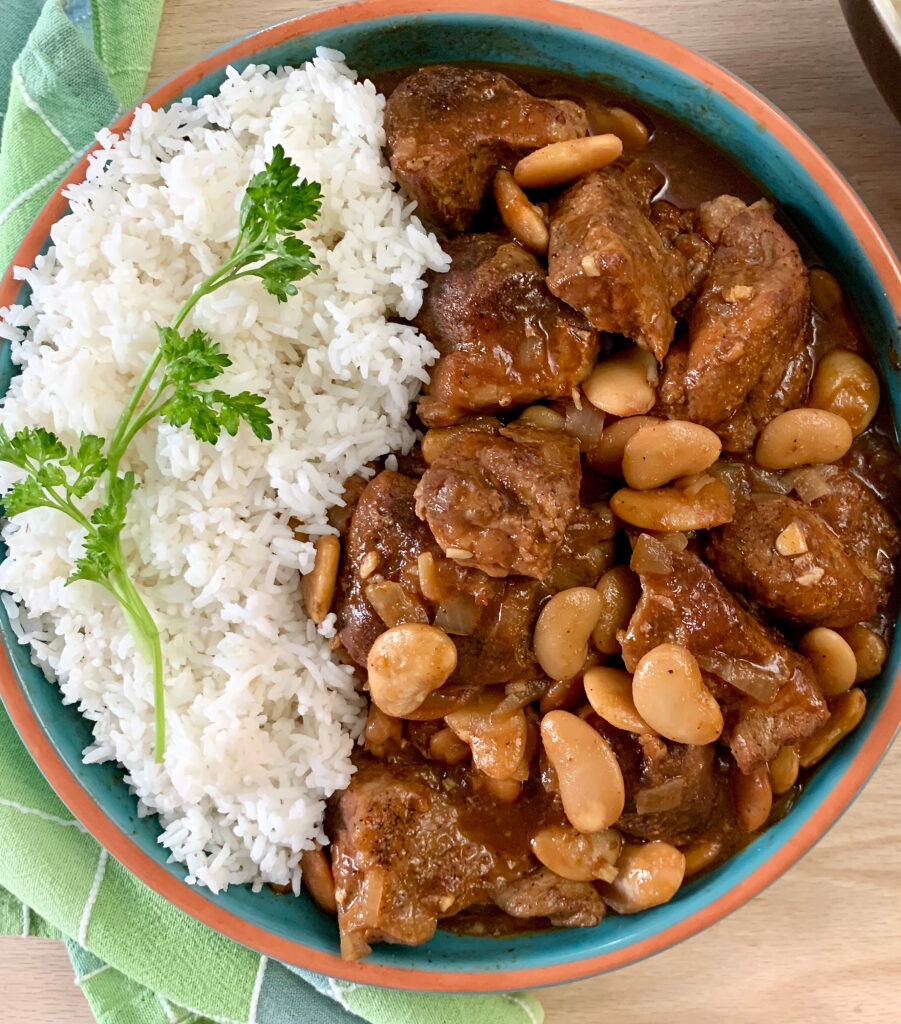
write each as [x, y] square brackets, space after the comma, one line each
[261, 720]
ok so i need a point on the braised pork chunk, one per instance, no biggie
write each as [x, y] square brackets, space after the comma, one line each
[450, 129]
[607, 260]
[503, 339]
[502, 502]
[744, 359]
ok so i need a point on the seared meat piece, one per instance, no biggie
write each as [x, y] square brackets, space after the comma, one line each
[503, 338]
[642, 179]
[825, 585]
[587, 550]
[686, 604]
[502, 501]
[844, 575]
[450, 130]
[607, 260]
[415, 842]
[386, 529]
[678, 231]
[745, 358]
[400, 859]
[868, 530]
[566, 903]
[784, 384]
[500, 649]
[676, 776]
[715, 216]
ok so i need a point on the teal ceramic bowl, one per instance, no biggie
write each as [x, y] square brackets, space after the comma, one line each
[379, 35]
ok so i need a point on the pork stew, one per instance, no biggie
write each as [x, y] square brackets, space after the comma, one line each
[631, 585]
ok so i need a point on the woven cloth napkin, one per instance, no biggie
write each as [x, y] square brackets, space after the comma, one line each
[67, 70]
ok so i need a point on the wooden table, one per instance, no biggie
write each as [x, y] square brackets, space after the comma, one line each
[824, 943]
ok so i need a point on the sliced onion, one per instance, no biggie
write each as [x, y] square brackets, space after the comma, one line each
[758, 681]
[393, 604]
[694, 483]
[650, 555]
[364, 910]
[520, 693]
[664, 797]
[809, 483]
[458, 615]
[586, 424]
[674, 541]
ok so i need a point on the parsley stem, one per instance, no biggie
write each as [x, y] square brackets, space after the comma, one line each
[147, 638]
[124, 433]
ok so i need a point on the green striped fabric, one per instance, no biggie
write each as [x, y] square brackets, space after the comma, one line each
[66, 70]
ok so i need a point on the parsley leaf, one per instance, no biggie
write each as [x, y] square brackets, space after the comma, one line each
[89, 464]
[102, 553]
[193, 358]
[244, 406]
[199, 409]
[45, 458]
[275, 202]
[294, 260]
[24, 495]
[30, 445]
[190, 406]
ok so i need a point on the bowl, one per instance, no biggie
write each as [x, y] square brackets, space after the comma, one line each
[876, 28]
[378, 35]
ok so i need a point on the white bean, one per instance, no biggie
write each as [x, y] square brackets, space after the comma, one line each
[563, 629]
[407, 663]
[589, 777]
[624, 384]
[663, 452]
[802, 437]
[670, 695]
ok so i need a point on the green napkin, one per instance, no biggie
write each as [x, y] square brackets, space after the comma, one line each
[66, 70]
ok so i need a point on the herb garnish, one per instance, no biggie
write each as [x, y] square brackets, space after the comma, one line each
[275, 206]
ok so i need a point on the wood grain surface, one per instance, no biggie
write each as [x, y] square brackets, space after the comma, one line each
[823, 944]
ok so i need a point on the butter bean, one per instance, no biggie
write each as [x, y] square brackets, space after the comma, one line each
[784, 769]
[607, 455]
[869, 650]
[523, 220]
[624, 384]
[847, 711]
[700, 854]
[407, 663]
[589, 777]
[846, 384]
[670, 695]
[563, 629]
[561, 162]
[620, 590]
[318, 586]
[801, 437]
[649, 874]
[609, 692]
[665, 451]
[576, 855]
[832, 659]
[693, 503]
[752, 795]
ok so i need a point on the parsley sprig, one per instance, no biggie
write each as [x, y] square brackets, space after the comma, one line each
[275, 207]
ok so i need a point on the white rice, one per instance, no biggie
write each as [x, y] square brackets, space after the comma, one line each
[261, 719]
